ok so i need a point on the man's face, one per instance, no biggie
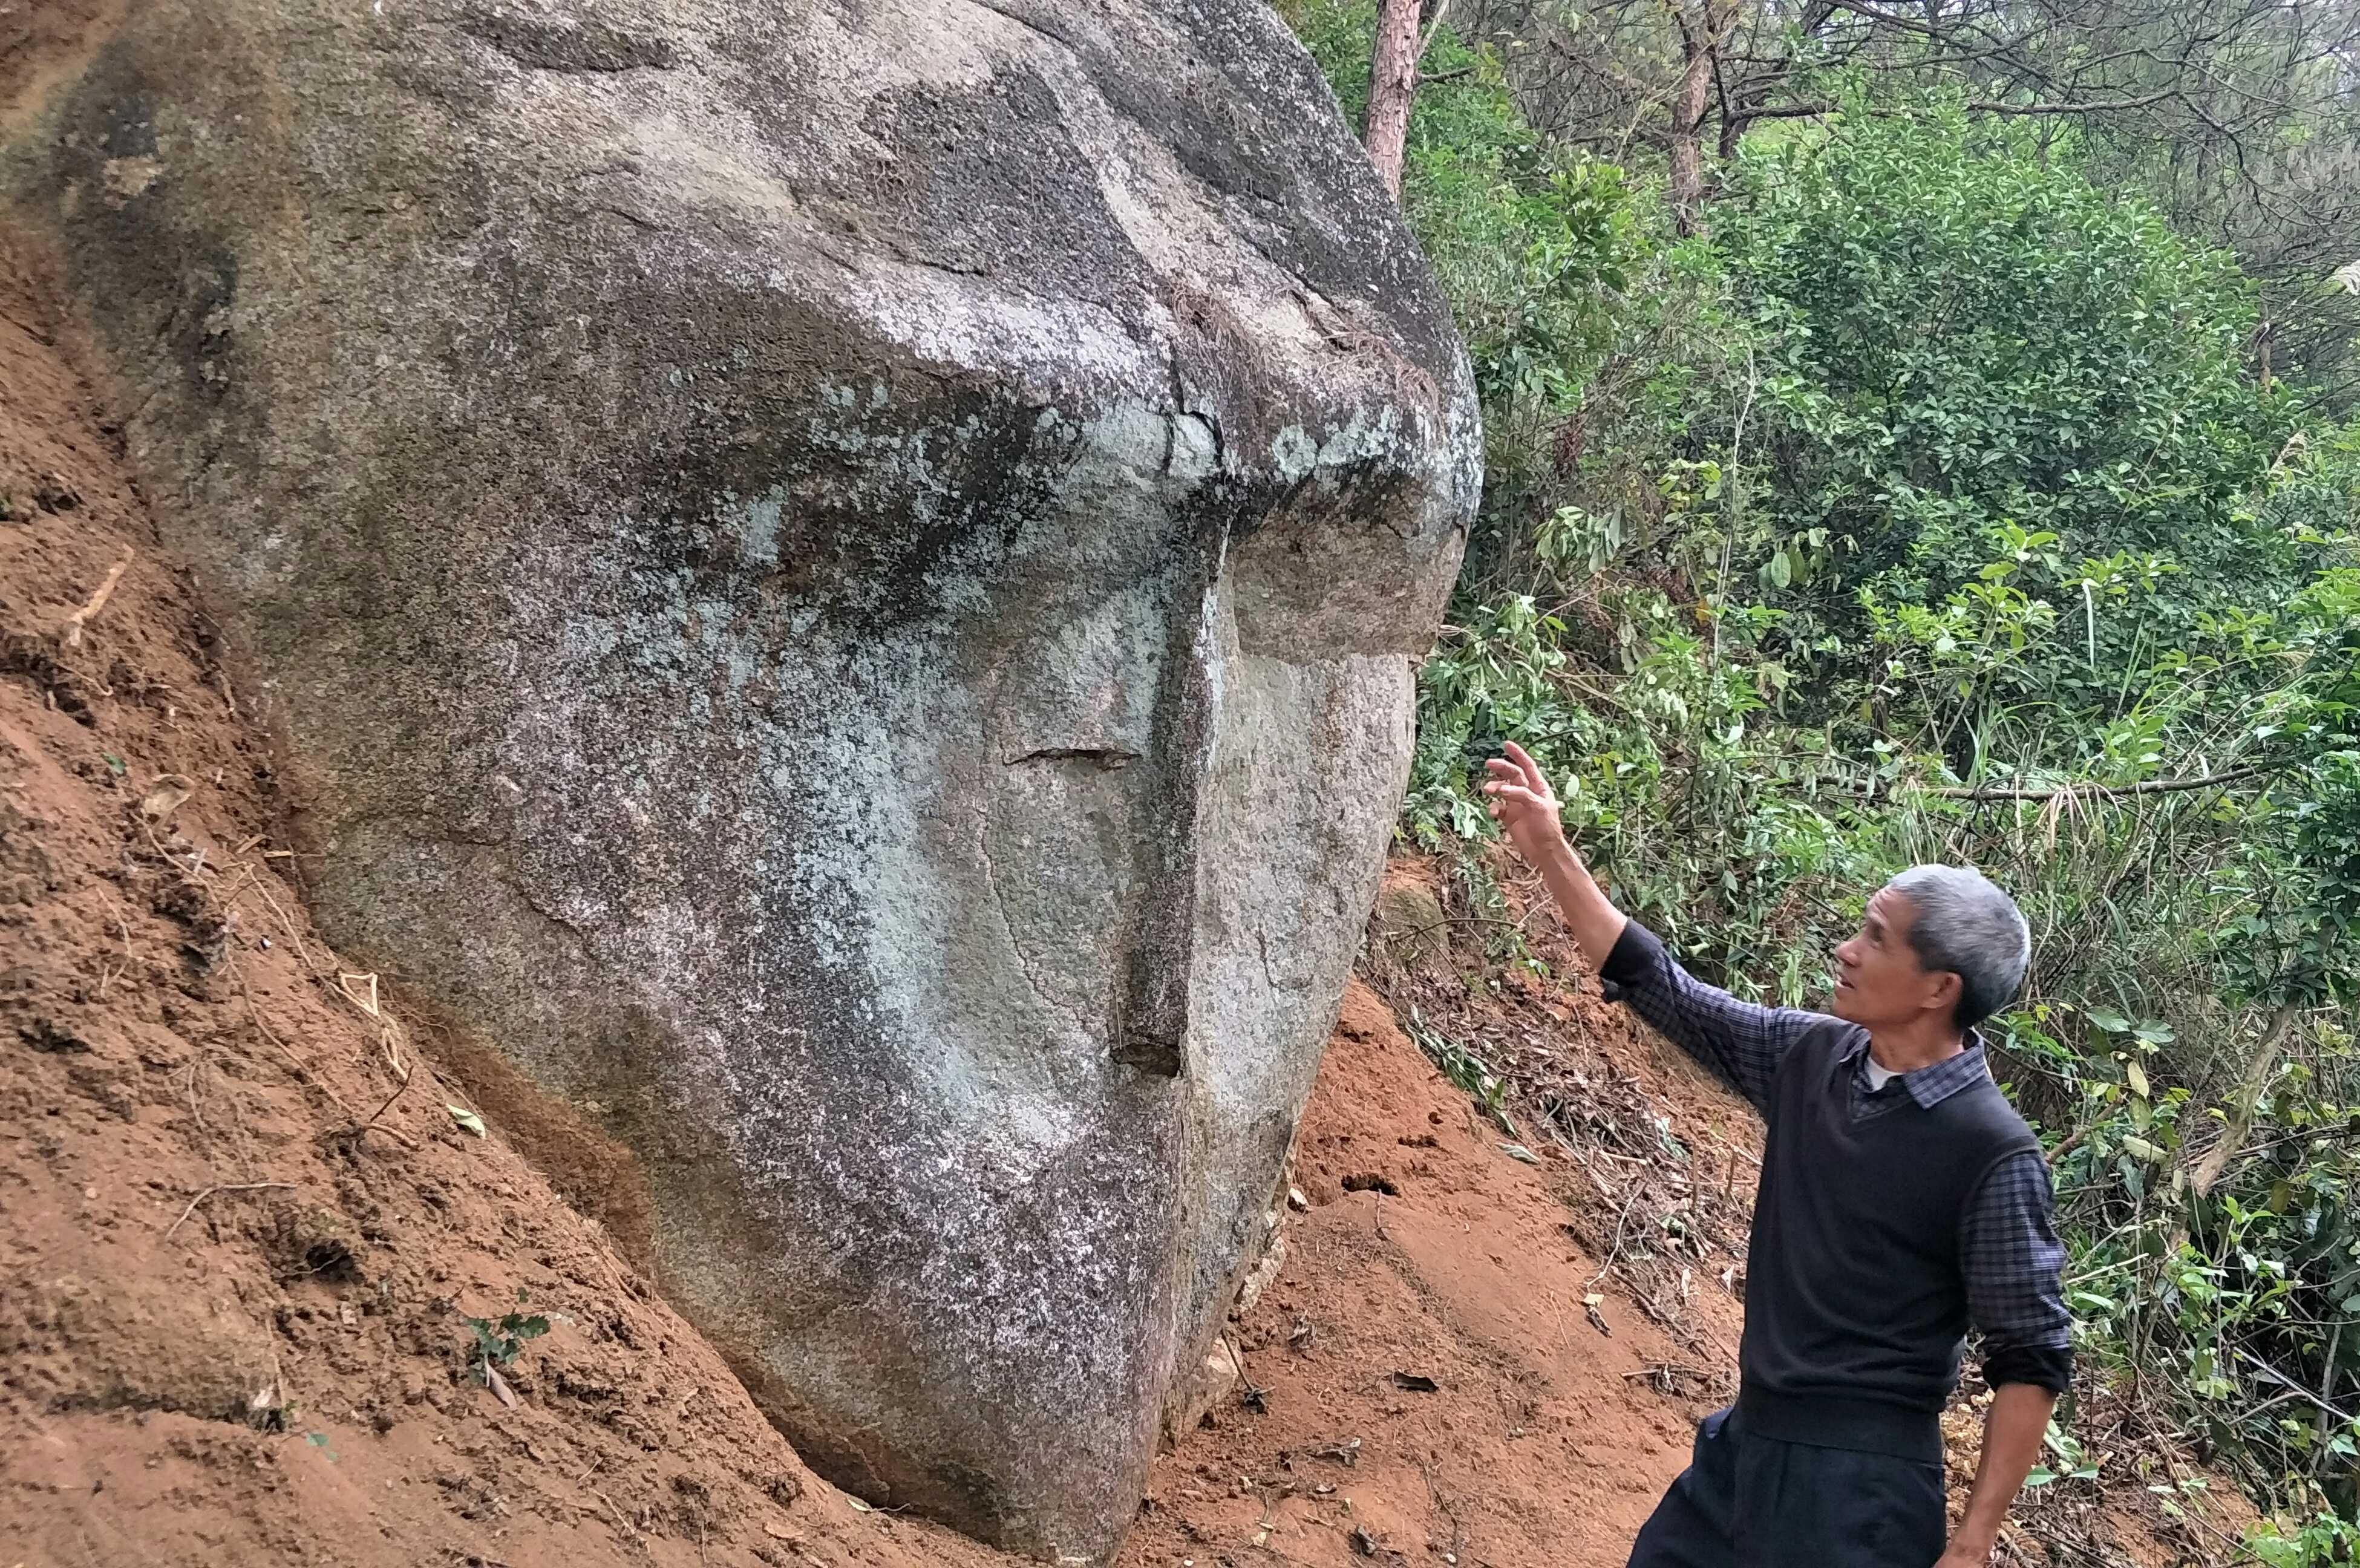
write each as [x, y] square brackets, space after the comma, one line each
[1879, 981]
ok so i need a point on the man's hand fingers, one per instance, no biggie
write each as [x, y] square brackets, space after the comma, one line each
[1508, 775]
[1522, 760]
[1501, 792]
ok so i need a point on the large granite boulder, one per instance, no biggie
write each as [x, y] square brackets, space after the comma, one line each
[843, 577]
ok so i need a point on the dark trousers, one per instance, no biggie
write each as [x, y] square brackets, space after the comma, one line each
[1754, 1502]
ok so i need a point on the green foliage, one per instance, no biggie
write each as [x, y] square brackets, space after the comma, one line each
[1538, 246]
[2063, 1457]
[1957, 332]
[1939, 468]
[2320, 1541]
[499, 1340]
[1469, 1072]
[2216, 1300]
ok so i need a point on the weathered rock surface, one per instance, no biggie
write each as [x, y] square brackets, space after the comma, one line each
[841, 578]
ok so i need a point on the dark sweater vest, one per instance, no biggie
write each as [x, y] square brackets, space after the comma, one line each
[1855, 1305]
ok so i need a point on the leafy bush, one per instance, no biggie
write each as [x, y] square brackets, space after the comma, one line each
[2317, 1542]
[1939, 471]
[1956, 333]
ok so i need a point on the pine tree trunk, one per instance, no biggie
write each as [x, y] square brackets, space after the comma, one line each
[1699, 35]
[1393, 82]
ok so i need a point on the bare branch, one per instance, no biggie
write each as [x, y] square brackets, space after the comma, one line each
[2146, 787]
[1995, 106]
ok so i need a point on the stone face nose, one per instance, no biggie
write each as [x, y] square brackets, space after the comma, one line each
[838, 586]
[1152, 1027]
[1106, 709]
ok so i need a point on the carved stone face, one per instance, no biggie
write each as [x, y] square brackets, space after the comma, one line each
[842, 582]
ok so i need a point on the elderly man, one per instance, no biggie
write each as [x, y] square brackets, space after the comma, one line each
[1902, 1198]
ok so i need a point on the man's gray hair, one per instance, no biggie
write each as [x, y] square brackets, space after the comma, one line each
[1963, 924]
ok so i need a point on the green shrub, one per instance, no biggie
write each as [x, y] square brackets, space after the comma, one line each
[1938, 468]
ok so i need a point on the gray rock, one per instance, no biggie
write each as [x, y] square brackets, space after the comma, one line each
[1408, 930]
[840, 579]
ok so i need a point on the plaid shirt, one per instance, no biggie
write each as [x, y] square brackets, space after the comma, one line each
[2008, 1252]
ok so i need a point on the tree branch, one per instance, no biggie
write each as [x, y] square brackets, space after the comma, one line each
[2146, 787]
[1433, 27]
[1784, 111]
[1993, 107]
[2208, 1171]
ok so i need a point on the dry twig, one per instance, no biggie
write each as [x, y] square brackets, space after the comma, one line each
[71, 632]
[239, 1187]
[254, 1010]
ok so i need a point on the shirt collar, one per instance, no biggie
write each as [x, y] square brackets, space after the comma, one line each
[1928, 1087]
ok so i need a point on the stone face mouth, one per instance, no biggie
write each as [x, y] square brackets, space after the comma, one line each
[841, 591]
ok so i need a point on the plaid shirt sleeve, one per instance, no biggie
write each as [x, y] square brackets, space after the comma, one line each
[2014, 1267]
[1738, 1042]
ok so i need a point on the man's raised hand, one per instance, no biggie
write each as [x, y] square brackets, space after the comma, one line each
[1522, 802]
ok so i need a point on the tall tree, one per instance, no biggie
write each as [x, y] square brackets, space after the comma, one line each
[1701, 24]
[2239, 115]
[1393, 85]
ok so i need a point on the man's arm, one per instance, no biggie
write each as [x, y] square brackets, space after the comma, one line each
[1597, 925]
[2013, 1266]
[2012, 1434]
[1737, 1041]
